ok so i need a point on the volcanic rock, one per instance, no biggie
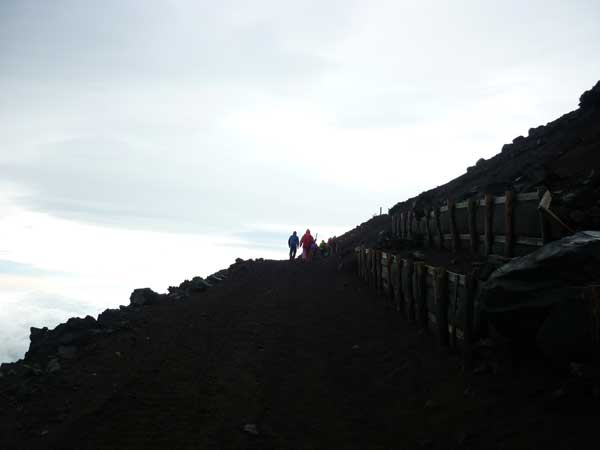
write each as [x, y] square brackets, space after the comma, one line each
[590, 98]
[143, 297]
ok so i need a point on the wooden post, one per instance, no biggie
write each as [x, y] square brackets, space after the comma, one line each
[378, 272]
[544, 224]
[472, 222]
[509, 225]
[441, 301]
[400, 294]
[365, 265]
[370, 267]
[402, 225]
[408, 289]
[429, 231]
[489, 223]
[373, 269]
[471, 291]
[390, 293]
[438, 222]
[453, 230]
[420, 294]
[395, 280]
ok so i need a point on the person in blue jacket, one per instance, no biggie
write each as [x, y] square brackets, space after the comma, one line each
[293, 243]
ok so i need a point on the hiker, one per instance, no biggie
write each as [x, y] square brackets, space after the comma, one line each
[293, 243]
[306, 242]
[324, 248]
[314, 250]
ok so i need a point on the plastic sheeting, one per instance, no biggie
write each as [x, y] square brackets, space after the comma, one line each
[540, 296]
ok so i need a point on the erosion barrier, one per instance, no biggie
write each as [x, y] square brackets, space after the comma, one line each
[432, 297]
[509, 225]
[436, 298]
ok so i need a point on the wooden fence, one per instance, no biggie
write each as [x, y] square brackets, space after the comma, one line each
[509, 225]
[432, 297]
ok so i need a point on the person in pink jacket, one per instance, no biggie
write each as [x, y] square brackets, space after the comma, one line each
[306, 243]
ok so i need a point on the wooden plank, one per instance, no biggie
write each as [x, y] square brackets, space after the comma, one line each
[462, 205]
[472, 223]
[455, 277]
[533, 241]
[544, 224]
[489, 223]
[527, 196]
[497, 259]
[509, 224]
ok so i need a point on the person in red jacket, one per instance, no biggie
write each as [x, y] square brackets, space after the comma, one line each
[306, 243]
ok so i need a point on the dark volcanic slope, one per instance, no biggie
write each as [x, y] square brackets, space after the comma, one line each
[305, 353]
[558, 155]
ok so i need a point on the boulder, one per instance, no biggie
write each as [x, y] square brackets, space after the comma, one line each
[536, 132]
[519, 140]
[199, 284]
[143, 297]
[75, 331]
[214, 279]
[37, 335]
[112, 318]
[591, 98]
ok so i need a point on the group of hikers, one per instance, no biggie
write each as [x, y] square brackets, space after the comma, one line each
[309, 246]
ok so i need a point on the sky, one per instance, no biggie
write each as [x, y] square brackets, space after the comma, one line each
[145, 142]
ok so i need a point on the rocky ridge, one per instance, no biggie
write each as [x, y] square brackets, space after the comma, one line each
[562, 156]
[74, 338]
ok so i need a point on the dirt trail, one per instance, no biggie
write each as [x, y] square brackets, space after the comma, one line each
[308, 355]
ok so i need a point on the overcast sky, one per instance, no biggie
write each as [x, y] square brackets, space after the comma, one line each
[215, 128]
